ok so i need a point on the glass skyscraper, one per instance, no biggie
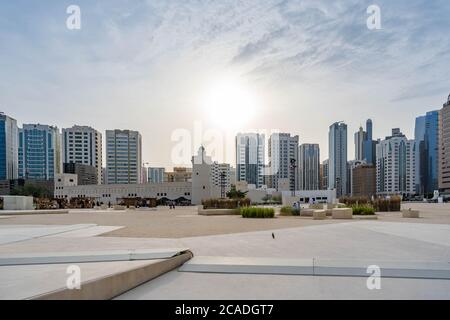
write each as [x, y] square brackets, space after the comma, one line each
[8, 148]
[337, 171]
[39, 152]
[427, 152]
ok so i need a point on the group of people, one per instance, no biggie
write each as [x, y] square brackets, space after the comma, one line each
[172, 205]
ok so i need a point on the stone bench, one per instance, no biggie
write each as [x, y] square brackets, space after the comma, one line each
[320, 215]
[412, 214]
[342, 213]
[306, 213]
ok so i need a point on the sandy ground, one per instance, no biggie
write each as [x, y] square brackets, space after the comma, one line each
[184, 221]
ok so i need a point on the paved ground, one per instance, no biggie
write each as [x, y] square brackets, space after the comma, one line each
[389, 239]
[184, 222]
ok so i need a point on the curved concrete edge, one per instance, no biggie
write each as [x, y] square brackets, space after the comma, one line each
[116, 284]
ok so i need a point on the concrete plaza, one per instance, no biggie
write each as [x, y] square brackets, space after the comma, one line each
[391, 238]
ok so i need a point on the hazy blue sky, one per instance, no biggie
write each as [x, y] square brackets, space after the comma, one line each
[151, 65]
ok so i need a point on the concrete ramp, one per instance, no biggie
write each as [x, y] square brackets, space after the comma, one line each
[317, 267]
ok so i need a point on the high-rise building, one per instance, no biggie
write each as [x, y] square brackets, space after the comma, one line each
[369, 145]
[156, 175]
[427, 153]
[337, 171]
[351, 166]
[250, 158]
[83, 145]
[364, 181]
[444, 142]
[39, 152]
[123, 157]
[396, 165]
[221, 176]
[325, 170]
[283, 159]
[360, 138]
[86, 174]
[9, 159]
[309, 167]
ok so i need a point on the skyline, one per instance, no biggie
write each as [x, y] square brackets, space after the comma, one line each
[150, 67]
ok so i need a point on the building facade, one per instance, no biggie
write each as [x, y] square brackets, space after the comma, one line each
[9, 147]
[325, 166]
[39, 152]
[250, 158]
[444, 143]
[156, 175]
[427, 153]
[364, 181]
[86, 175]
[123, 157]
[83, 145]
[396, 165]
[360, 138]
[283, 159]
[309, 167]
[337, 169]
[179, 174]
[221, 177]
[351, 165]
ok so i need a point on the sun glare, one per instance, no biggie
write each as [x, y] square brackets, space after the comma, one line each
[229, 104]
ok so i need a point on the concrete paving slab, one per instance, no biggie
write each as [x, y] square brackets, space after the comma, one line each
[249, 265]
[16, 233]
[211, 286]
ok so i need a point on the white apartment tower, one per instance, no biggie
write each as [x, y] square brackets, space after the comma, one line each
[396, 165]
[250, 158]
[283, 159]
[123, 157]
[337, 169]
[83, 145]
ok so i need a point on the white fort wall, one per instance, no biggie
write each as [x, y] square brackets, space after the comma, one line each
[113, 192]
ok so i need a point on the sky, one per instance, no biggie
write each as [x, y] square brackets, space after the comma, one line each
[192, 72]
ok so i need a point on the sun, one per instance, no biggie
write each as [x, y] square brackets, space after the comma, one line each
[229, 103]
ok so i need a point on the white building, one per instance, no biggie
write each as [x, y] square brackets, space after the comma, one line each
[250, 158]
[156, 175]
[396, 165]
[114, 193]
[202, 178]
[9, 157]
[82, 144]
[309, 167]
[219, 169]
[123, 157]
[283, 153]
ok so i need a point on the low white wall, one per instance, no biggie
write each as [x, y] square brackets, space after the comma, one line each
[17, 203]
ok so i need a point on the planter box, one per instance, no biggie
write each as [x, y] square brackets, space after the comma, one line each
[342, 213]
[329, 212]
[306, 213]
[119, 208]
[320, 215]
[411, 214]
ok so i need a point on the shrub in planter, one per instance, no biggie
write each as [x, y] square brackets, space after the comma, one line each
[286, 211]
[260, 213]
[225, 203]
[363, 210]
[296, 212]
